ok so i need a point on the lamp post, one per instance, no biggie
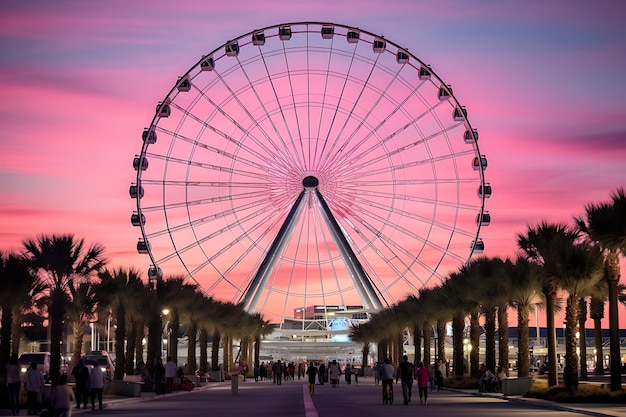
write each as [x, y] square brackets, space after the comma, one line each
[164, 313]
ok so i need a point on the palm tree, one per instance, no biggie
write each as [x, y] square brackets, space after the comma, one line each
[604, 224]
[81, 310]
[119, 289]
[577, 267]
[524, 287]
[61, 259]
[19, 290]
[539, 243]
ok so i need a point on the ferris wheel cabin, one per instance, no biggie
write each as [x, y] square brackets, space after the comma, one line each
[478, 163]
[459, 114]
[284, 33]
[140, 163]
[143, 246]
[470, 136]
[135, 191]
[483, 219]
[424, 73]
[258, 38]
[149, 136]
[328, 32]
[484, 190]
[207, 64]
[137, 219]
[353, 36]
[379, 45]
[477, 246]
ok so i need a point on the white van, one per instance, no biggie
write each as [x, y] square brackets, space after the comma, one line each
[42, 359]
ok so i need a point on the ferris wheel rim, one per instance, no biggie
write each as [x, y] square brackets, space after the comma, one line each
[171, 97]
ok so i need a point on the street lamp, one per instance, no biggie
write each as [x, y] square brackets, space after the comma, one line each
[165, 312]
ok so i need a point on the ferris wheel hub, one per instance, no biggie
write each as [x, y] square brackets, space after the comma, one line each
[310, 182]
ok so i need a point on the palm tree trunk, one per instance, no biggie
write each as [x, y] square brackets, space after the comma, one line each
[78, 331]
[364, 358]
[503, 334]
[131, 340]
[139, 341]
[550, 295]
[612, 274]
[474, 337]
[56, 323]
[458, 327]
[120, 338]
[570, 374]
[417, 343]
[16, 330]
[597, 341]
[215, 350]
[192, 332]
[155, 333]
[441, 340]
[5, 335]
[428, 333]
[523, 352]
[582, 331]
[203, 345]
[257, 350]
[490, 338]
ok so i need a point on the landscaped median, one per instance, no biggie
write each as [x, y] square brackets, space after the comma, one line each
[586, 393]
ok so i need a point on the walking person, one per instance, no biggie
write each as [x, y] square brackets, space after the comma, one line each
[13, 384]
[440, 374]
[422, 382]
[386, 377]
[170, 373]
[61, 398]
[406, 370]
[348, 375]
[333, 373]
[34, 388]
[96, 386]
[312, 374]
[81, 378]
[322, 373]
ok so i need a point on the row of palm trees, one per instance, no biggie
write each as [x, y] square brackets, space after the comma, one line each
[59, 276]
[580, 262]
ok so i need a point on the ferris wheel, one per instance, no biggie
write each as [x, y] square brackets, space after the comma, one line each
[309, 164]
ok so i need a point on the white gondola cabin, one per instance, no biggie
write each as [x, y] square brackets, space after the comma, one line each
[477, 246]
[402, 57]
[459, 114]
[149, 136]
[424, 73]
[163, 109]
[483, 219]
[445, 92]
[183, 84]
[478, 163]
[379, 46]
[470, 136]
[137, 219]
[484, 190]
[328, 32]
[232, 48]
[143, 246]
[140, 163]
[258, 38]
[353, 36]
[284, 33]
[155, 273]
[207, 64]
[135, 191]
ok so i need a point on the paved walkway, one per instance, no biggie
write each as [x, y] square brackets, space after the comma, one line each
[293, 399]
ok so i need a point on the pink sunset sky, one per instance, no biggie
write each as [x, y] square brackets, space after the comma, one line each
[543, 82]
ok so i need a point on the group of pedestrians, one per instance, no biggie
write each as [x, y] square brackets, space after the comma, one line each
[60, 400]
[164, 373]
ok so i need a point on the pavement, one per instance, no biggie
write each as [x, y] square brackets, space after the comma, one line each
[588, 409]
[249, 395]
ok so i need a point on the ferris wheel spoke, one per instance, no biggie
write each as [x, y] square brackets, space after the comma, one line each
[292, 150]
[332, 154]
[382, 94]
[409, 198]
[252, 152]
[276, 154]
[368, 157]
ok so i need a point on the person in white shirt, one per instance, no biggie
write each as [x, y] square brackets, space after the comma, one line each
[170, 374]
[96, 385]
[34, 386]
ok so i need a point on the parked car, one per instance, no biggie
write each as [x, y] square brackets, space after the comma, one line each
[103, 359]
[42, 359]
